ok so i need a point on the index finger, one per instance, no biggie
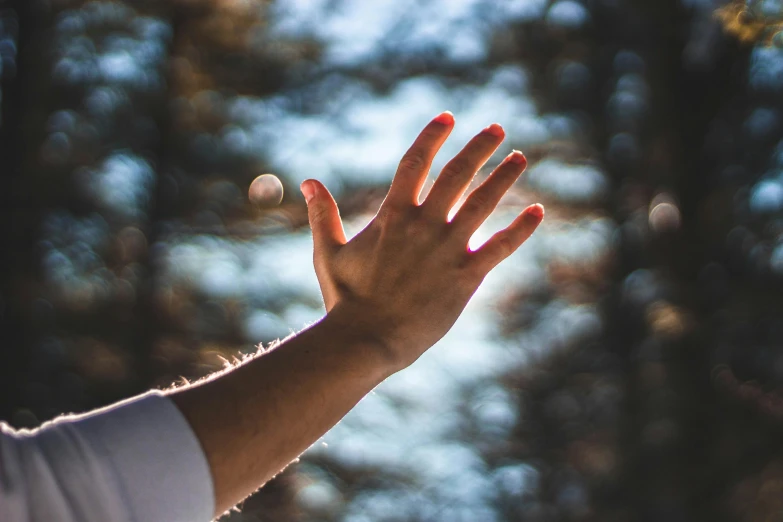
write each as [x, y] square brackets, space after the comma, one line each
[415, 164]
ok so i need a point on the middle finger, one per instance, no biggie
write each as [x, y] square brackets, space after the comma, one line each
[457, 174]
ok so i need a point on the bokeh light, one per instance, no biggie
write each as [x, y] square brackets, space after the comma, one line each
[266, 191]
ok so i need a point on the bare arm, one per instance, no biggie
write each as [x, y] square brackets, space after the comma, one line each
[256, 419]
[390, 293]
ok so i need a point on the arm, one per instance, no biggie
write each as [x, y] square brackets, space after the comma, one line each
[390, 293]
[257, 418]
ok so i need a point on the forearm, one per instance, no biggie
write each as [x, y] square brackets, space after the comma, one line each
[254, 420]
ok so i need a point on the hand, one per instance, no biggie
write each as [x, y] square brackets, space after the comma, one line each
[405, 278]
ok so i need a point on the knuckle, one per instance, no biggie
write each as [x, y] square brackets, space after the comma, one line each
[506, 244]
[431, 231]
[416, 229]
[476, 203]
[413, 160]
[473, 268]
[318, 214]
[455, 168]
[417, 224]
[430, 135]
[390, 213]
[466, 264]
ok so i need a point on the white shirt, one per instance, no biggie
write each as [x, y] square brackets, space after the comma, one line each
[136, 461]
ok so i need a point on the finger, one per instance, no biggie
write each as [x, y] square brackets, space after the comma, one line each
[482, 201]
[415, 164]
[504, 243]
[328, 233]
[457, 174]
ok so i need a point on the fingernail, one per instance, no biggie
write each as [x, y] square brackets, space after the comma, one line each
[444, 118]
[537, 211]
[495, 130]
[517, 157]
[307, 190]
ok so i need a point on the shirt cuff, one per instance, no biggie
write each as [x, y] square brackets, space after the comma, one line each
[156, 456]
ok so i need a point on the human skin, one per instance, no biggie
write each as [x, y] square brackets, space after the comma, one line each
[390, 293]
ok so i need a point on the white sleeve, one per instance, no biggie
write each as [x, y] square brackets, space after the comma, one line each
[137, 461]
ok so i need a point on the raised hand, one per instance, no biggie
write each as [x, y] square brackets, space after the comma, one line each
[405, 278]
[391, 293]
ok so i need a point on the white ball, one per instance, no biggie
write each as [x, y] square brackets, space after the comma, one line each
[266, 191]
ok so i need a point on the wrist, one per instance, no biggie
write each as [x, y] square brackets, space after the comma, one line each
[356, 324]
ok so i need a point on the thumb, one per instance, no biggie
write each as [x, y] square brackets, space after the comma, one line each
[324, 217]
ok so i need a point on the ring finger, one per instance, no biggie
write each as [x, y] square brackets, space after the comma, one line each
[482, 201]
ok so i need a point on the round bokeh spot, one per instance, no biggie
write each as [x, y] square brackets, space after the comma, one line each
[266, 191]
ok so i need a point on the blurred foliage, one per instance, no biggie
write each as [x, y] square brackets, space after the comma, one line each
[752, 21]
[625, 364]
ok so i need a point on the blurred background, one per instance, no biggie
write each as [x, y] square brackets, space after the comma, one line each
[626, 364]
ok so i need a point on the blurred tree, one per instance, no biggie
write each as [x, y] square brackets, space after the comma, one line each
[684, 141]
[22, 76]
